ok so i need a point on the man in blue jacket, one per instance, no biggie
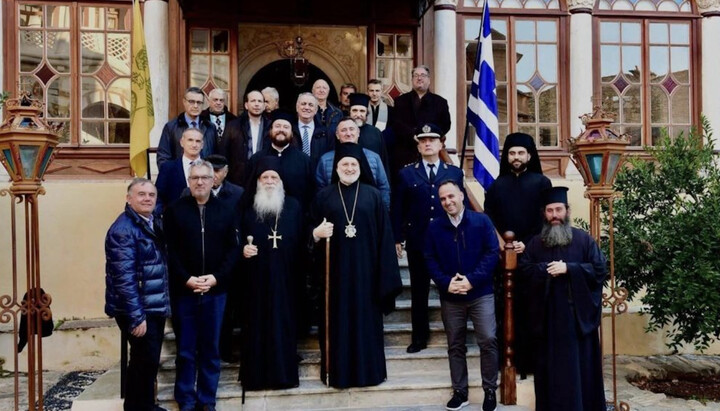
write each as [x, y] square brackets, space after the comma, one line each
[137, 293]
[461, 251]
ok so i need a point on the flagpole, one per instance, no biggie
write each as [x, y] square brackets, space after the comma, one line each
[147, 159]
[477, 56]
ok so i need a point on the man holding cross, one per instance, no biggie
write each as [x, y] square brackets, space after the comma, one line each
[272, 224]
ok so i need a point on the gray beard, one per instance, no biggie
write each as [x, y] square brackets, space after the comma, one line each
[269, 203]
[556, 235]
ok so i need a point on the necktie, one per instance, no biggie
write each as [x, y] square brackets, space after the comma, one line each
[305, 140]
[432, 172]
[193, 124]
[250, 145]
[218, 126]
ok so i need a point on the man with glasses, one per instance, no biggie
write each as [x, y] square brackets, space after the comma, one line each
[169, 146]
[412, 110]
[203, 249]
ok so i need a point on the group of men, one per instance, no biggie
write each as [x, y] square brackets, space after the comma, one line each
[250, 212]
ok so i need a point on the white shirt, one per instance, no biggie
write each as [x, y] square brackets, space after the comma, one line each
[255, 133]
[186, 168]
[310, 129]
[213, 120]
[456, 221]
[215, 191]
[427, 169]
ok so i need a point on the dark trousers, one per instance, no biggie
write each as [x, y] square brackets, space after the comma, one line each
[197, 320]
[481, 311]
[419, 291]
[144, 362]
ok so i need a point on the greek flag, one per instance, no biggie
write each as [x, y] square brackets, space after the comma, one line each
[482, 108]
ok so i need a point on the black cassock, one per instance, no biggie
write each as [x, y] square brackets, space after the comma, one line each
[268, 284]
[566, 314]
[364, 281]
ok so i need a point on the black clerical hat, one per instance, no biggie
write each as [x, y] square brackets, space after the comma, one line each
[359, 99]
[281, 114]
[428, 130]
[218, 161]
[355, 151]
[265, 164]
[555, 195]
[520, 140]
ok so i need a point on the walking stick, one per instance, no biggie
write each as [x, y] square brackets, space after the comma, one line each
[327, 311]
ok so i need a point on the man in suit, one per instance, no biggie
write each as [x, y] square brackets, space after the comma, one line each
[415, 204]
[217, 112]
[313, 138]
[412, 110]
[169, 146]
[203, 251]
[245, 136]
[173, 176]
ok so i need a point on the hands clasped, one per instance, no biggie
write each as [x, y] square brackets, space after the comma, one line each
[201, 284]
[459, 285]
[556, 268]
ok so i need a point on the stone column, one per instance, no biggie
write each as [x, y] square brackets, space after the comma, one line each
[710, 11]
[445, 64]
[155, 23]
[581, 68]
[3, 173]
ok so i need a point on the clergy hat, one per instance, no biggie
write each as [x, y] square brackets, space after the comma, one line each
[218, 161]
[355, 151]
[428, 130]
[520, 140]
[359, 99]
[266, 163]
[280, 114]
[555, 195]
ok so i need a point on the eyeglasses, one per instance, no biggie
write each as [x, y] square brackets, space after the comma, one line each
[203, 178]
[194, 102]
[420, 75]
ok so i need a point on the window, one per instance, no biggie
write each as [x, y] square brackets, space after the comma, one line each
[528, 86]
[394, 63]
[646, 68]
[76, 59]
[210, 60]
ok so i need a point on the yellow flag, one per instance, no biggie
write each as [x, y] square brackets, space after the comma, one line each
[142, 114]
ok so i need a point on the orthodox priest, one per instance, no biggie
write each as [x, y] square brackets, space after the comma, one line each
[565, 270]
[269, 343]
[363, 272]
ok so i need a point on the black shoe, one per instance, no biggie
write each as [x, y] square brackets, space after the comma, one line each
[490, 402]
[416, 347]
[457, 401]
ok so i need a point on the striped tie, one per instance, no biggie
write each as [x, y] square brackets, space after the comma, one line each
[305, 140]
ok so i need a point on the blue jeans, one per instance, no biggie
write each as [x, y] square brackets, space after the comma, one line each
[197, 320]
[481, 312]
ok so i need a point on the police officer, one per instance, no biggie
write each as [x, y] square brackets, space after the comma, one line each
[415, 203]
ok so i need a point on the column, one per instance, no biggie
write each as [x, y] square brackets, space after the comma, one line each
[581, 68]
[155, 23]
[445, 64]
[3, 173]
[710, 11]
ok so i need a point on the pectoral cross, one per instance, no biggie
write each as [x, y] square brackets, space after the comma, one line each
[274, 237]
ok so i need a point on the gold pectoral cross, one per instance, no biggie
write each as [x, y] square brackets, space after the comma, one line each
[274, 237]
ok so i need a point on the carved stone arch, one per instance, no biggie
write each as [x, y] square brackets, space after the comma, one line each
[340, 52]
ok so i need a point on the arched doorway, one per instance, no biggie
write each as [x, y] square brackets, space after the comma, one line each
[278, 74]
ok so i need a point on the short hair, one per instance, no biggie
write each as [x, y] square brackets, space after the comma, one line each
[272, 91]
[347, 118]
[218, 90]
[374, 81]
[193, 129]
[307, 94]
[201, 163]
[348, 85]
[451, 182]
[421, 66]
[252, 91]
[196, 90]
[137, 181]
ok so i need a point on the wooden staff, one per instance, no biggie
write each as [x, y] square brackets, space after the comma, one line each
[327, 311]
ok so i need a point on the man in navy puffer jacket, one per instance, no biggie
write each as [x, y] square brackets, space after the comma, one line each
[137, 292]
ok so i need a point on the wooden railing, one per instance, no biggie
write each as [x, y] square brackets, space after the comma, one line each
[508, 261]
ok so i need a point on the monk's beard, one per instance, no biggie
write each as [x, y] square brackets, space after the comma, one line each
[269, 201]
[556, 235]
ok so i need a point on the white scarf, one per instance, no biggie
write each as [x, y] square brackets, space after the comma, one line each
[382, 116]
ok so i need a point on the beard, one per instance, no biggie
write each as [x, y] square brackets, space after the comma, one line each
[277, 142]
[269, 201]
[359, 122]
[557, 235]
[348, 180]
[519, 168]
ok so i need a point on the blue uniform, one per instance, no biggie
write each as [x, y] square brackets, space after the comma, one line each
[415, 204]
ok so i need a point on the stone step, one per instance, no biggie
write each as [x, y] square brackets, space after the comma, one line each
[402, 313]
[405, 295]
[398, 361]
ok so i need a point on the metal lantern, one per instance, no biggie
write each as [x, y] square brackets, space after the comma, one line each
[27, 144]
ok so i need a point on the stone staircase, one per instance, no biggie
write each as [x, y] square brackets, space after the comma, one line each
[415, 381]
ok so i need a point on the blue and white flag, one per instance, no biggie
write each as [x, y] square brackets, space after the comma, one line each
[482, 108]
